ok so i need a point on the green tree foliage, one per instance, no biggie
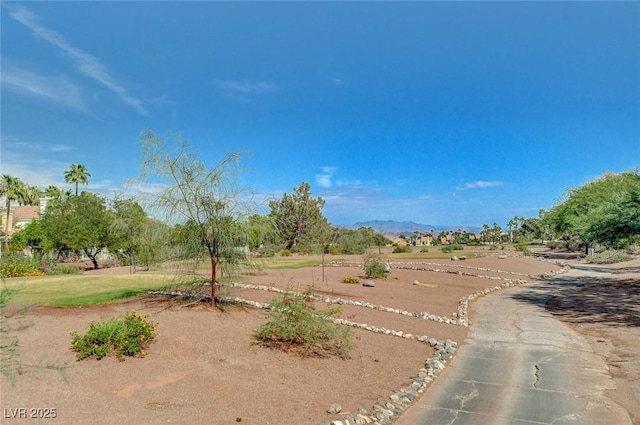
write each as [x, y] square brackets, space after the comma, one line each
[261, 231]
[492, 234]
[55, 192]
[77, 223]
[531, 229]
[605, 210]
[207, 201]
[126, 228]
[350, 241]
[298, 217]
[77, 174]
[153, 244]
[32, 236]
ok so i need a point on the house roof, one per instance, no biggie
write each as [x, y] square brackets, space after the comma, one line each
[25, 213]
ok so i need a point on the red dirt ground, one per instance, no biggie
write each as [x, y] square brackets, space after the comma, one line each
[203, 367]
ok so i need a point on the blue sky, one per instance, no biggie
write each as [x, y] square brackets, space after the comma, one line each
[441, 113]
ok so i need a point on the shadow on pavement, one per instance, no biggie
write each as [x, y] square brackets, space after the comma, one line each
[603, 296]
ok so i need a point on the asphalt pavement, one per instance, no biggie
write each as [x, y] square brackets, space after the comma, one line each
[519, 366]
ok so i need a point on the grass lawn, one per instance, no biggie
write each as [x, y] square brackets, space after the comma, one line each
[89, 289]
[77, 290]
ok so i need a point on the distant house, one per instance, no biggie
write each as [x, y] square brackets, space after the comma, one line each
[424, 240]
[19, 217]
[399, 242]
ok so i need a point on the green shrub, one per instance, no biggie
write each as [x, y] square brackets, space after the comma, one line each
[397, 249]
[126, 336]
[608, 257]
[446, 248]
[267, 251]
[296, 325]
[58, 269]
[335, 249]
[521, 246]
[350, 279]
[285, 253]
[17, 265]
[457, 247]
[374, 267]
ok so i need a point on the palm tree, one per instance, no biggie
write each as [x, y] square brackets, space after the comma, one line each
[13, 189]
[512, 223]
[77, 173]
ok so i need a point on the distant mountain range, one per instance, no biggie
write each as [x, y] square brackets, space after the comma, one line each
[395, 228]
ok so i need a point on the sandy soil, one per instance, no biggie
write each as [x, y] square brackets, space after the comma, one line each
[204, 368]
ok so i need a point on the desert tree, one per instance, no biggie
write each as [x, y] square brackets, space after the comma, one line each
[298, 217]
[77, 223]
[605, 210]
[153, 243]
[31, 237]
[77, 174]
[207, 201]
[127, 227]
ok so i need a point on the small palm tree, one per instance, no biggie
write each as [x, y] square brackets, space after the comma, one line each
[13, 189]
[77, 173]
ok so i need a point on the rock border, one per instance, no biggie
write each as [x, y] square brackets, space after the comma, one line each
[384, 412]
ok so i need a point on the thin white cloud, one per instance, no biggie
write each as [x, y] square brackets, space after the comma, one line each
[147, 188]
[88, 64]
[54, 89]
[243, 91]
[33, 163]
[480, 184]
[324, 179]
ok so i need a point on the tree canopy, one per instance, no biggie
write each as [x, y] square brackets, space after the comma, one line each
[605, 210]
[205, 200]
[77, 173]
[77, 223]
[298, 217]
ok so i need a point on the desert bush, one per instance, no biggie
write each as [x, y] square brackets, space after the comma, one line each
[608, 257]
[397, 249]
[446, 248]
[552, 244]
[296, 325]
[521, 246]
[374, 267]
[424, 250]
[285, 253]
[457, 247]
[59, 269]
[267, 251]
[350, 279]
[335, 249]
[17, 265]
[126, 336]
[634, 249]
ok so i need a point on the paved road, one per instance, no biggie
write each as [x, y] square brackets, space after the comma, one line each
[519, 366]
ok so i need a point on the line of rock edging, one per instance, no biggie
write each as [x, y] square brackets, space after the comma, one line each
[384, 412]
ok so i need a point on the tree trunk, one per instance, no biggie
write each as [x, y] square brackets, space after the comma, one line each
[6, 226]
[214, 264]
[94, 260]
